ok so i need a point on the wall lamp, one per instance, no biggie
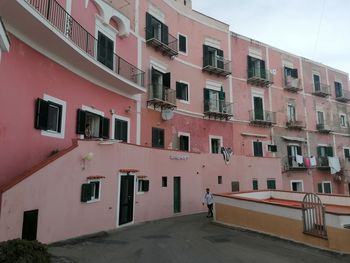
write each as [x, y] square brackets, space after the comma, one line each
[87, 157]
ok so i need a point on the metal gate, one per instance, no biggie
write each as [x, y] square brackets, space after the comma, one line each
[314, 216]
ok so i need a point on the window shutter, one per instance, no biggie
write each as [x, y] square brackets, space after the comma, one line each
[101, 48]
[205, 55]
[110, 54]
[41, 117]
[298, 150]
[262, 69]
[59, 118]
[155, 137]
[329, 151]
[161, 138]
[206, 100]
[182, 43]
[220, 61]
[145, 185]
[165, 32]
[257, 148]
[149, 29]
[124, 130]
[166, 80]
[319, 188]
[178, 90]
[294, 73]
[250, 67]
[319, 151]
[86, 192]
[104, 128]
[347, 153]
[81, 116]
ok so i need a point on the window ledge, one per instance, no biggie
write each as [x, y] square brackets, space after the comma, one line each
[93, 201]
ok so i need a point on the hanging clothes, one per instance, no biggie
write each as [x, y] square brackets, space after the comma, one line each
[299, 159]
[307, 162]
[313, 161]
[334, 164]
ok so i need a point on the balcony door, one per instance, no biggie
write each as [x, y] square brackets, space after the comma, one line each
[291, 113]
[338, 89]
[317, 82]
[293, 151]
[258, 108]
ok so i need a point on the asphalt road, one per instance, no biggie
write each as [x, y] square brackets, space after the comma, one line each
[192, 239]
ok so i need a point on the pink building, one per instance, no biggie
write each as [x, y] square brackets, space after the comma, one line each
[150, 93]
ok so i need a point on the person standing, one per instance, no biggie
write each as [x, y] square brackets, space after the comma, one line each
[209, 200]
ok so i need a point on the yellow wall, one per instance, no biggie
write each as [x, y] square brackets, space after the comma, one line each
[338, 239]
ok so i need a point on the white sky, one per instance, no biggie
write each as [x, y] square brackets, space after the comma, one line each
[314, 29]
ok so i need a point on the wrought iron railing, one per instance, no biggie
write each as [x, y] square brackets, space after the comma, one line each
[291, 163]
[292, 83]
[322, 161]
[71, 29]
[262, 116]
[162, 93]
[342, 95]
[260, 74]
[295, 124]
[218, 106]
[323, 127]
[216, 62]
[169, 40]
[321, 89]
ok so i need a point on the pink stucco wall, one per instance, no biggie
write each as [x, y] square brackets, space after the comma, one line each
[60, 183]
[17, 133]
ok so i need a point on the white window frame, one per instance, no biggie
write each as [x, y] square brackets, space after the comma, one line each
[344, 148]
[189, 139]
[54, 134]
[297, 181]
[345, 120]
[93, 110]
[93, 199]
[312, 77]
[258, 95]
[324, 118]
[218, 138]
[114, 117]
[188, 92]
[138, 183]
[327, 182]
[295, 111]
[262, 145]
[108, 31]
[178, 37]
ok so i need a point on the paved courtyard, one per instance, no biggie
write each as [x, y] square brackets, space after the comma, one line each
[187, 239]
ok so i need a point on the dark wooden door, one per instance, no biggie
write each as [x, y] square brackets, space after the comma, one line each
[126, 199]
[30, 224]
[177, 194]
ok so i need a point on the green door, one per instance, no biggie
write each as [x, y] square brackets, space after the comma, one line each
[177, 194]
[258, 108]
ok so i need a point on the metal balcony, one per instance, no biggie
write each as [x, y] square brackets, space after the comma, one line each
[294, 124]
[290, 163]
[56, 34]
[166, 45]
[262, 78]
[322, 162]
[342, 96]
[218, 109]
[219, 65]
[323, 128]
[292, 84]
[262, 118]
[322, 90]
[161, 97]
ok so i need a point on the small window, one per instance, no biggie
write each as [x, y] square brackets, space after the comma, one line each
[324, 187]
[317, 82]
[272, 148]
[142, 185]
[235, 186]
[258, 149]
[164, 181]
[320, 117]
[343, 122]
[184, 143]
[48, 116]
[256, 68]
[347, 153]
[92, 125]
[182, 91]
[255, 184]
[121, 130]
[215, 144]
[297, 186]
[271, 184]
[91, 191]
[338, 89]
[182, 43]
[157, 138]
[219, 179]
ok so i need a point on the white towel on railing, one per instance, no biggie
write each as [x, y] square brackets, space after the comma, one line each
[334, 164]
[299, 159]
[313, 161]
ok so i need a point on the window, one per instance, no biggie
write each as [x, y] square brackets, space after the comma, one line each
[272, 148]
[294, 151]
[142, 185]
[235, 186]
[157, 138]
[219, 179]
[164, 181]
[160, 83]
[343, 122]
[289, 72]
[322, 153]
[297, 186]
[320, 118]
[317, 82]
[121, 130]
[255, 184]
[91, 191]
[184, 141]
[271, 184]
[183, 44]
[50, 116]
[291, 113]
[325, 187]
[215, 145]
[156, 29]
[338, 89]
[347, 153]
[257, 149]
[258, 108]
[182, 91]
[98, 125]
[105, 50]
[213, 57]
[256, 68]
[214, 100]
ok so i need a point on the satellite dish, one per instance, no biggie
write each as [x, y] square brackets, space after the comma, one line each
[167, 114]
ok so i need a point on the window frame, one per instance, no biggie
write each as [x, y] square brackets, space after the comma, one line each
[297, 181]
[253, 149]
[164, 181]
[255, 184]
[102, 119]
[271, 180]
[122, 118]
[330, 187]
[214, 137]
[181, 82]
[186, 44]
[159, 146]
[342, 116]
[93, 198]
[140, 185]
[314, 73]
[63, 104]
[179, 134]
[318, 119]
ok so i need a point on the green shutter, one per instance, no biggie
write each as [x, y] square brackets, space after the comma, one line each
[110, 54]
[205, 55]
[299, 150]
[145, 185]
[206, 100]
[294, 73]
[319, 151]
[220, 63]
[41, 117]
[271, 184]
[178, 90]
[104, 128]
[81, 118]
[86, 192]
[329, 151]
[319, 188]
[166, 80]
[250, 62]
[165, 37]
[258, 151]
[149, 29]
[255, 185]
[347, 153]
[262, 69]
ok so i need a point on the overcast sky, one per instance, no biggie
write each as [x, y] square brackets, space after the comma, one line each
[315, 29]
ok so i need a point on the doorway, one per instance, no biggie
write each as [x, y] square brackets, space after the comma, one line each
[177, 194]
[126, 199]
[30, 224]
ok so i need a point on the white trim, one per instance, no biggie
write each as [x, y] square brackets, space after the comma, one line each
[92, 110]
[255, 53]
[327, 182]
[324, 118]
[188, 92]
[138, 120]
[86, 3]
[297, 181]
[178, 37]
[254, 135]
[212, 42]
[323, 145]
[118, 199]
[189, 138]
[99, 191]
[107, 30]
[158, 66]
[258, 96]
[345, 118]
[156, 12]
[262, 146]
[59, 135]
[114, 117]
[288, 64]
[215, 137]
[4, 41]
[213, 85]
